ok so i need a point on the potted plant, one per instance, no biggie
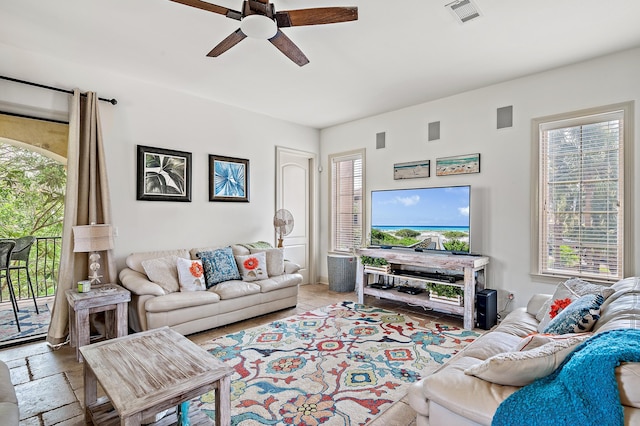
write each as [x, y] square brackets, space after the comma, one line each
[444, 293]
[375, 264]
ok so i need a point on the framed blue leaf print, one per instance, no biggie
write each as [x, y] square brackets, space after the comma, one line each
[228, 179]
[163, 174]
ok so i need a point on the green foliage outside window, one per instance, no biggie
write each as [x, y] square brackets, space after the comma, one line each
[31, 193]
[32, 190]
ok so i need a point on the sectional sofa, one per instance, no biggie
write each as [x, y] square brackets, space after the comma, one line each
[526, 348]
[217, 295]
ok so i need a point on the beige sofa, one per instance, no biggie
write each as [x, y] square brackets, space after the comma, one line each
[451, 397]
[188, 312]
[9, 412]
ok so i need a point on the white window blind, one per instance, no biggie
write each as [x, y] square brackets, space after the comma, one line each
[581, 189]
[347, 204]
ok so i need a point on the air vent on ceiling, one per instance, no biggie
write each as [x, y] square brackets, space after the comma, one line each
[464, 10]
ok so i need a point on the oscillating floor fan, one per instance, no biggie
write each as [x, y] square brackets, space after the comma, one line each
[283, 224]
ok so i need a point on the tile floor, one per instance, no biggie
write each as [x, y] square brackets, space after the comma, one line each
[49, 383]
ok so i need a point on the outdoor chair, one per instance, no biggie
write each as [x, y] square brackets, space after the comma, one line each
[6, 248]
[20, 261]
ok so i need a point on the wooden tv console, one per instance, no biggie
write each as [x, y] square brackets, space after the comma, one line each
[472, 267]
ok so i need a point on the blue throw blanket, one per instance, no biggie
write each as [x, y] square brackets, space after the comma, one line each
[582, 391]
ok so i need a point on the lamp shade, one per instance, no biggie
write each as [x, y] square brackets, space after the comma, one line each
[88, 238]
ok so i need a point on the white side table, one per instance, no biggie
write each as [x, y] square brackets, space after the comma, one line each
[111, 299]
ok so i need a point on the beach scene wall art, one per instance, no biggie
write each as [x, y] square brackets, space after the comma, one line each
[458, 165]
[415, 169]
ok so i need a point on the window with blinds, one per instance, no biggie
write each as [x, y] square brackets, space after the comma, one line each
[581, 214]
[347, 201]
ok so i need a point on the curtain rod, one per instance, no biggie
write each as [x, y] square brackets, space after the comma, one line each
[32, 117]
[15, 80]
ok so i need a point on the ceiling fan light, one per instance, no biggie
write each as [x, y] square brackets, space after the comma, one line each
[258, 26]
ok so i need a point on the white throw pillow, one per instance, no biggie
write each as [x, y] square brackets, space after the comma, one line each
[522, 367]
[253, 267]
[163, 271]
[191, 275]
[275, 260]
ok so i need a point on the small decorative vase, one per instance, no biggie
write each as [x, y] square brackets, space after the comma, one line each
[183, 414]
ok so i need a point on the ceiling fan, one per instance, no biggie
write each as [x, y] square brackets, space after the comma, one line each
[259, 19]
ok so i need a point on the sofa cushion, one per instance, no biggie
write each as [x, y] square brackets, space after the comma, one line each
[279, 281]
[275, 260]
[252, 267]
[180, 300]
[534, 357]
[9, 411]
[628, 377]
[193, 253]
[622, 309]
[234, 289]
[571, 289]
[579, 316]
[191, 275]
[480, 398]
[163, 271]
[219, 265]
[134, 260]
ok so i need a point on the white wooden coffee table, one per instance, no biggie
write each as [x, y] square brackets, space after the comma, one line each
[145, 373]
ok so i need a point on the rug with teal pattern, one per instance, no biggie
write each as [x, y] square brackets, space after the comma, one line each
[339, 365]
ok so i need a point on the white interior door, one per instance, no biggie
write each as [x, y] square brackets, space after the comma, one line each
[295, 189]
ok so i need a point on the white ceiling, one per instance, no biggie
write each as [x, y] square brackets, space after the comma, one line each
[399, 53]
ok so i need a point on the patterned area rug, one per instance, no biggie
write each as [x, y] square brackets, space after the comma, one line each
[31, 324]
[340, 365]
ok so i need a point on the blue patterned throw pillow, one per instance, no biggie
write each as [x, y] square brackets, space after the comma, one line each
[578, 317]
[219, 265]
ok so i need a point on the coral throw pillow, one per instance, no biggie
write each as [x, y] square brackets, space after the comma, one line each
[275, 260]
[191, 275]
[253, 266]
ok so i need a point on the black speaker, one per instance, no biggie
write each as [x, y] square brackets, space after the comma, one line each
[486, 308]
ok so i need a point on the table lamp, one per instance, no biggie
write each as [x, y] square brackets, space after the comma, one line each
[93, 239]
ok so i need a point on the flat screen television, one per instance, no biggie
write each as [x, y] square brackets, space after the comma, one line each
[422, 218]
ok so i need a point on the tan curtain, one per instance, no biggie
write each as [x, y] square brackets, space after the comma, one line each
[86, 201]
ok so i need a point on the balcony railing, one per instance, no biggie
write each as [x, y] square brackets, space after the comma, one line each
[44, 259]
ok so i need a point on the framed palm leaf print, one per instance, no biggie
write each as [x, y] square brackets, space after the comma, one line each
[163, 174]
[228, 179]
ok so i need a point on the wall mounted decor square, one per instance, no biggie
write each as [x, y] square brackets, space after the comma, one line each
[228, 179]
[414, 169]
[458, 165]
[163, 174]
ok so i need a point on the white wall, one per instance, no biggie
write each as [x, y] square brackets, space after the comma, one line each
[156, 116]
[501, 203]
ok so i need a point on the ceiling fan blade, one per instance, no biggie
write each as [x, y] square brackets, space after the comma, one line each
[290, 50]
[316, 16]
[226, 44]
[229, 13]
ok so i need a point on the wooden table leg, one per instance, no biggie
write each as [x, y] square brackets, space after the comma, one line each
[82, 330]
[122, 319]
[90, 391]
[72, 328]
[133, 420]
[223, 401]
[109, 324]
